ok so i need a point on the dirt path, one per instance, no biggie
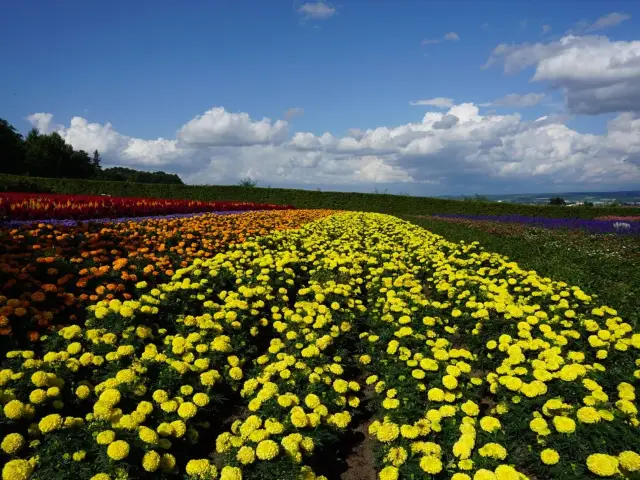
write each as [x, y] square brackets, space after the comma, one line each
[361, 464]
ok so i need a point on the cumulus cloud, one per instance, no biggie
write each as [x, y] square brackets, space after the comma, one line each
[455, 148]
[41, 121]
[447, 121]
[611, 20]
[439, 102]
[451, 36]
[217, 127]
[316, 10]
[546, 29]
[515, 100]
[595, 74]
[293, 112]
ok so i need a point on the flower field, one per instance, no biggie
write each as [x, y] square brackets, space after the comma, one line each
[254, 359]
[50, 272]
[619, 225]
[37, 206]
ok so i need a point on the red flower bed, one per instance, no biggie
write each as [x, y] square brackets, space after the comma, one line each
[36, 206]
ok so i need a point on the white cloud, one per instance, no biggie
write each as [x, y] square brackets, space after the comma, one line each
[611, 20]
[456, 148]
[217, 127]
[515, 100]
[596, 75]
[293, 112]
[316, 10]
[450, 36]
[41, 121]
[546, 29]
[439, 102]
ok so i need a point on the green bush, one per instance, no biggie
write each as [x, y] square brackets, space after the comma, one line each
[384, 203]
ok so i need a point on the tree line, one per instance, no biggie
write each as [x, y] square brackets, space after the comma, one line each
[48, 155]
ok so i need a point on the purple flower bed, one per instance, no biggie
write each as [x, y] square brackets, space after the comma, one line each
[592, 226]
[73, 223]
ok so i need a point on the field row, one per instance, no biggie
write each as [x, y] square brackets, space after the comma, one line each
[256, 362]
[49, 273]
[37, 206]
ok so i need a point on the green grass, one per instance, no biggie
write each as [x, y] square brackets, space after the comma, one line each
[607, 266]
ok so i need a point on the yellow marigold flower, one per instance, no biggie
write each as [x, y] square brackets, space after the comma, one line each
[201, 399]
[564, 424]
[409, 431]
[230, 473]
[470, 408]
[147, 435]
[79, 456]
[101, 476]
[167, 462]
[198, 468]
[435, 395]
[151, 461]
[40, 379]
[493, 450]
[50, 423]
[187, 410]
[17, 470]
[387, 432]
[490, 424]
[246, 455]
[365, 359]
[312, 401]
[460, 476]
[236, 373]
[484, 474]
[273, 426]
[549, 456]
[340, 386]
[389, 473]
[267, 449]
[169, 406]
[12, 443]
[431, 464]
[14, 410]
[82, 392]
[38, 396]
[105, 437]
[450, 382]
[396, 456]
[160, 396]
[602, 465]
[118, 450]
[588, 415]
[110, 397]
[506, 472]
[630, 461]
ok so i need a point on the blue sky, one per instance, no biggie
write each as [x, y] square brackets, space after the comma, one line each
[149, 68]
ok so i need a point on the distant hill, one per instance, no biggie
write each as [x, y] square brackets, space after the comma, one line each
[598, 198]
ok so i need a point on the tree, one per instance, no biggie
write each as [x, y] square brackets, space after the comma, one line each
[123, 174]
[96, 160]
[557, 201]
[11, 149]
[247, 183]
[79, 165]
